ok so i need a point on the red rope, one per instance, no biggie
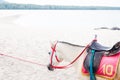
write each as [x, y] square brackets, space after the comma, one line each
[53, 51]
[20, 59]
[69, 65]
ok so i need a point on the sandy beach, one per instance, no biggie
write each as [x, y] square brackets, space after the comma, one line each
[19, 38]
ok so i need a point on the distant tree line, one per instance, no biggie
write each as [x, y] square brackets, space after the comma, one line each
[6, 5]
[113, 28]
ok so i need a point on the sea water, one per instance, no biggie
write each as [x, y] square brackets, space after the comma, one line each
[70, 25]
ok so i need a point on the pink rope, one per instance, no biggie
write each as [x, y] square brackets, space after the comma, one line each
[69, 65]
[20, 59]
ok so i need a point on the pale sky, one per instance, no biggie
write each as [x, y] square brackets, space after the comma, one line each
[1, 0]
[70, 2]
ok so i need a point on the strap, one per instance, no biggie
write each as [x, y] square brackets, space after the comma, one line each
[92, 75]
